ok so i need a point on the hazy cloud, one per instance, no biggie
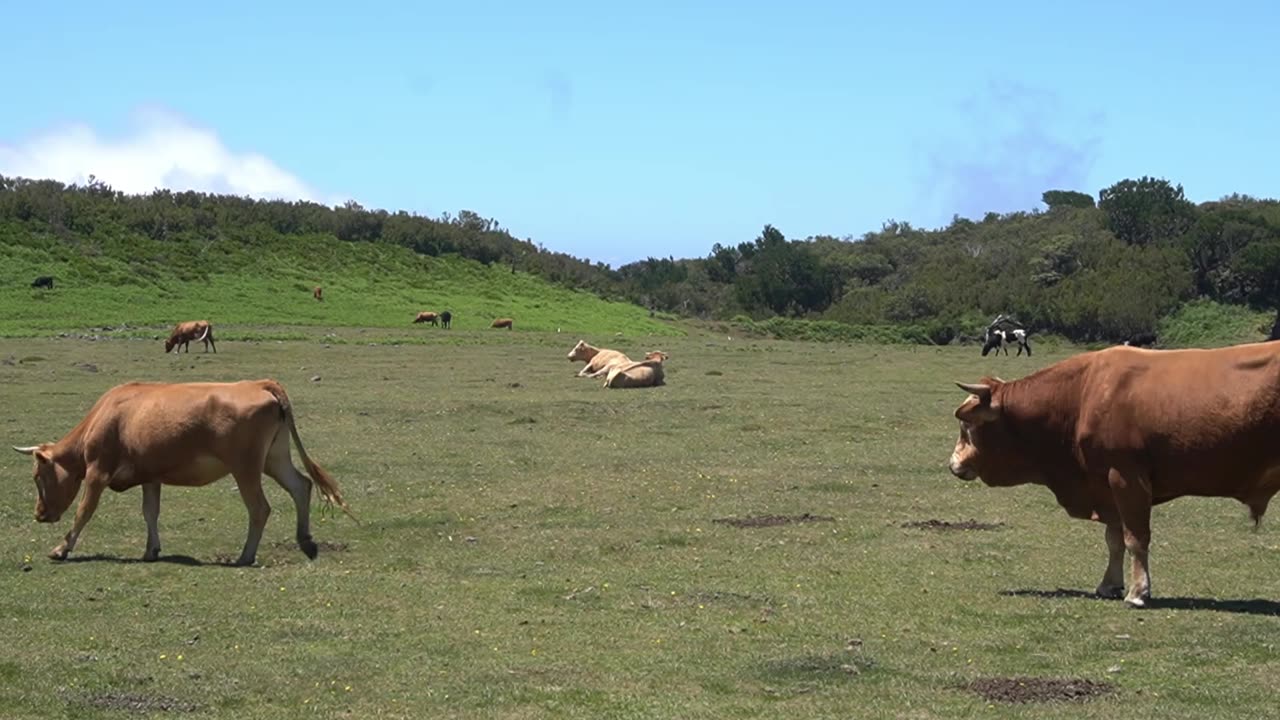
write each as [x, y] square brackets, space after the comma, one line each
[160, 150]
[1016, 142]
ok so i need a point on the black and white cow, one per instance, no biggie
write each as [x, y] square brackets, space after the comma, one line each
[1001, 339]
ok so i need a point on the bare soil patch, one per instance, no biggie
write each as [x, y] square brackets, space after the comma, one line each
[949, 525]
[1032, 690]
[757, 521]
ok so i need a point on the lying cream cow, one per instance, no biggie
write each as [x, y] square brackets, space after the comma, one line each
[598, 360]
[646, 373]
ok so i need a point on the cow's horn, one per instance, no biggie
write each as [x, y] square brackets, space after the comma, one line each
[27, 450]
[982, 391]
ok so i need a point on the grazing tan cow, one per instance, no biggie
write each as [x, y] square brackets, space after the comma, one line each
[1113, 432]
[646, 373]
[503, 323]
[427, 316]
[184, 332]
[598, 360]
[318, 293]
[187, 434]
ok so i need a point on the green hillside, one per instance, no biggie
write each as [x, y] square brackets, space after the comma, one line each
[265, 279]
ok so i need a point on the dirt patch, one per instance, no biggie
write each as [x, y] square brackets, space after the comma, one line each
[1031, 690]
[948, 525]
[132, 702]
[756, 521]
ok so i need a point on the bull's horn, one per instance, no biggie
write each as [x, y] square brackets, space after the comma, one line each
[27, 450]
[982, 391]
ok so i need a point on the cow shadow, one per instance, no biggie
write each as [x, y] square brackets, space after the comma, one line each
[1256, 606]
[185, 560]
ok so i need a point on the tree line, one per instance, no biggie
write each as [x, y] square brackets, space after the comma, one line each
[1089, 270]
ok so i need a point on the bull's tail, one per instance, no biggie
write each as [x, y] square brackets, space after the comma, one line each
[323, 480]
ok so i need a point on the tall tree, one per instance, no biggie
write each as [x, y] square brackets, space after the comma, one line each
[1147, 210]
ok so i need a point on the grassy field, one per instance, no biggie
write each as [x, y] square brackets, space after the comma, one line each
[533, 545]
[241, 287]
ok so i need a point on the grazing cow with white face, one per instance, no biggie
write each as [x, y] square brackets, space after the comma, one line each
[646, 373]
[187, 434]
[184, 332]
[598, 360]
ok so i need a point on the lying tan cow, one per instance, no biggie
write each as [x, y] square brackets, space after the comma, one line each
[427, 316]
[183, 333]
[646, 373]
[188, 434]
[1115, 432]
[598, 360]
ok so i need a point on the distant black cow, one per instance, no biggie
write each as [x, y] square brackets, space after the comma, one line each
[44, 281]
[1142, 339]
[445, 318]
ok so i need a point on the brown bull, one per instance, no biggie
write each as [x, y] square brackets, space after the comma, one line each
[183, 333]
[503, 323]
[318, 293]
[190, 434]
[427, 316]
[1114, 432]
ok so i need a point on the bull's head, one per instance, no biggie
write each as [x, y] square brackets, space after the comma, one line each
[656, 355]
[56, 484]
[985, 449]
[168, 344]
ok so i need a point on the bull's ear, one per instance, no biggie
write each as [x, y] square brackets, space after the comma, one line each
[982, 391]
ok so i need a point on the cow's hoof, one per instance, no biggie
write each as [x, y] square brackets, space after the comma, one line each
[309, 548]
[243, 561]
[1110, 592]
[151, 555]
[1137, 601]
[58, 553]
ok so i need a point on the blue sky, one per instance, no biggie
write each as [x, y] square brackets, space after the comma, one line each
[614, 132]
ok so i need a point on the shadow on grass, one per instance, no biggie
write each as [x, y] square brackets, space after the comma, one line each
[171, 559]
[1256, 606]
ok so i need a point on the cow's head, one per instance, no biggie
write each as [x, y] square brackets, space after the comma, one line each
[168, 344]
[56, 484]
[657, 355]
[986, 449]
[582, 351]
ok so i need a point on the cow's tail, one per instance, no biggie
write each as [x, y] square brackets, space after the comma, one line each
[323, 480]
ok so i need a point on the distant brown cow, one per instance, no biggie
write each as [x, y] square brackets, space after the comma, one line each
[646, 373]
[318, 293]
[185, 332]
[503, 323]
[598, 360]
[427, 316]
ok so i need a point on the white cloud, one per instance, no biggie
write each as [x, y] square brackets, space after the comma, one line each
[161, 150]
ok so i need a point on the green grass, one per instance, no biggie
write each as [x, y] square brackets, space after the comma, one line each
[268, 282]
[1205, 323]
[533, 545]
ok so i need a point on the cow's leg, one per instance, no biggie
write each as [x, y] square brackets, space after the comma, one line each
[151, 512]
[93, 487]
[1112, 585]
[1132, 493]
[250, 484]
[280, 466]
